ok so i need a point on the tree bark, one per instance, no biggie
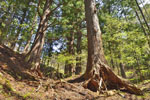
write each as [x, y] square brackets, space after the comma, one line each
[95, 46]
[34, 54]
[147, 36]
[142, 15]
[78, 59]
[97, 71]
[121, 65]
[122, 70]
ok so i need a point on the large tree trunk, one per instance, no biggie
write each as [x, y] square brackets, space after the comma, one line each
[34, 54]
[95, 46]
[78, 59]
[99, 75]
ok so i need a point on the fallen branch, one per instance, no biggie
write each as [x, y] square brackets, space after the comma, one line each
[39, 86]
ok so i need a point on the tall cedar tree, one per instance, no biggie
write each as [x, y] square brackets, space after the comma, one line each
[33, 56]
[98, 74]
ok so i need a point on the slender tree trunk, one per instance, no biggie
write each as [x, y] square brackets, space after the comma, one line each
[69, 68]
[142, 15]
[117, 67]
[148, 17]
[26, 48]
[121, 65]
[122, 70]
[66, 70]
[147, 36]
[78, 59]
[99, 75]
[138, 17]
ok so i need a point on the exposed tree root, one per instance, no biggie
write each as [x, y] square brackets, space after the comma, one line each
[104, 78]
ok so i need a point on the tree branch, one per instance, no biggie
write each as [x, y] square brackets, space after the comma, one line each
[38, 9]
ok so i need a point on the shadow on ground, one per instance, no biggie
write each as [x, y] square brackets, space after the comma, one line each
[14, 64]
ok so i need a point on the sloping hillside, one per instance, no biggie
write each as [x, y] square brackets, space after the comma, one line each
[13, 64]
[18, 83]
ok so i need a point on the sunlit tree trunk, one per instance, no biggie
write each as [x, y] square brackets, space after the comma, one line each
[34, 54]
[147, 14]
[97, 70]
[95, 46]
[143, 15]
[147, 35]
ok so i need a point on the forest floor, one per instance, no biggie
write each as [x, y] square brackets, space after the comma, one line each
[18, 83]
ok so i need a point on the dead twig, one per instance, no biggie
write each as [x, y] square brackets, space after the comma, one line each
[39, 86]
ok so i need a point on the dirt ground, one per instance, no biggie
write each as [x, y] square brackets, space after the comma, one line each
[18, 83]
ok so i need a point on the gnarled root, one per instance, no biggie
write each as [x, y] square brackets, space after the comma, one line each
[107, 79]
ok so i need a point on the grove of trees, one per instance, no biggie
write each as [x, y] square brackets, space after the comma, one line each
[88, 37]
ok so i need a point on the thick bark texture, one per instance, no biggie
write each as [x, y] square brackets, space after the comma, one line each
[33, 56]
[36, 49]
[95, 46]
[99, 76]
